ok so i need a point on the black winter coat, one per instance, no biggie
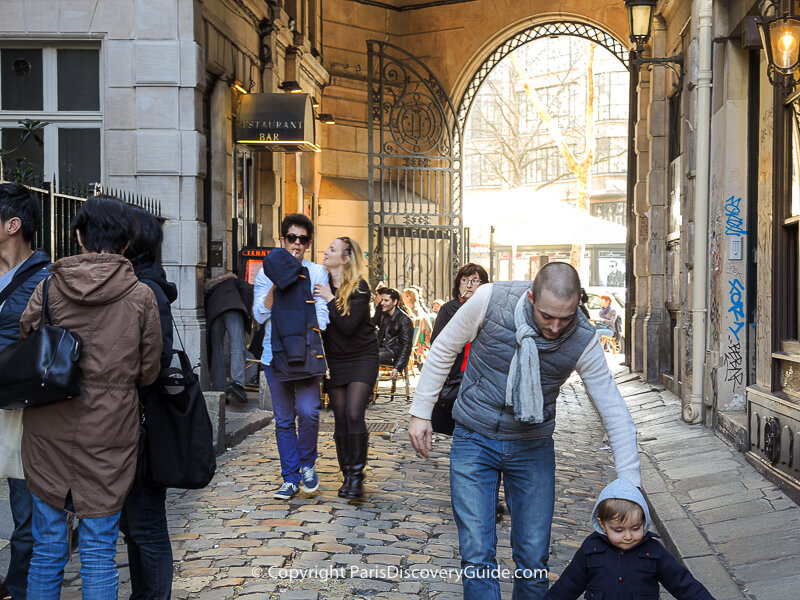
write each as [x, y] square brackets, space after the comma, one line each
[447, 312]
[296, 339]
[395, 333]
[227, 292]
[607, 573]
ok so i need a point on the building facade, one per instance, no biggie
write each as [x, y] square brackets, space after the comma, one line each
[144, 96]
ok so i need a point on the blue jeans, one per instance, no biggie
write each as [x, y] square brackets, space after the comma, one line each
[231, 321]
[144, 524]
[528, 470]
[21, 502]
[97, 539]
[297, 443]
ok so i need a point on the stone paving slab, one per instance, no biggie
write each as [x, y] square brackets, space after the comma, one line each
[737, 531]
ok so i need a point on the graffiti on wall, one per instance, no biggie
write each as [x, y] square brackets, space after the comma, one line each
[736, 297]
[733, 218]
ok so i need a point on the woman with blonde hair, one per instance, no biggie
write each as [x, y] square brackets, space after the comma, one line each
[352, 352]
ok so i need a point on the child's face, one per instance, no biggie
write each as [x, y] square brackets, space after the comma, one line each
[625, 534]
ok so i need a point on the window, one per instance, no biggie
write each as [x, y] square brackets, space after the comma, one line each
[482, 170]
[611, 95]
[609, 211]
[611, 155]
[59, 85]
[547, 165]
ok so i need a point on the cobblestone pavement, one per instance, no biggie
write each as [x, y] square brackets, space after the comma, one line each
[227, 536]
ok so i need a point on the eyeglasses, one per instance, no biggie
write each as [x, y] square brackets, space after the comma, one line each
[471, 282]
[293, 237]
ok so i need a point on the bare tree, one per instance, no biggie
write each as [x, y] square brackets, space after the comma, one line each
[581, 167]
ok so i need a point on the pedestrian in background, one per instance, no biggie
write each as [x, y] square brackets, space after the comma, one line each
[292, 356]
[395, 330]
[143, 521]
[80, 454]
[21, 270]
[467, 280]
[228, 300]
[352, 352]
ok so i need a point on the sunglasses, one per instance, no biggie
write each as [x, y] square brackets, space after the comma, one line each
[293, 237]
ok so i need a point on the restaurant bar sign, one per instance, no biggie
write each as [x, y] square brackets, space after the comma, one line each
[277, 122]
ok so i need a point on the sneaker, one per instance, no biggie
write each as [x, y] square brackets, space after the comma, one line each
[310, 480]
[236, 393]
[286, 491]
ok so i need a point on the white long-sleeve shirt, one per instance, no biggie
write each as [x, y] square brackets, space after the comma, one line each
[591, 366]
[316, 274]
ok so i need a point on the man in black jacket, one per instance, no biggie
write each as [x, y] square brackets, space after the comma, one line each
[395, 330]
[228, 300]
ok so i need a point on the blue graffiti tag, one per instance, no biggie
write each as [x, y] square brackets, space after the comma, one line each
[737, 306]
[733, 219]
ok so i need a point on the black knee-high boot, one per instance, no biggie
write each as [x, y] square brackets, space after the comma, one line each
[358, 443]
[343, 454]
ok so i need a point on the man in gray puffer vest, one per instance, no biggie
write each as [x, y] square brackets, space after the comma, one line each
[525, 342]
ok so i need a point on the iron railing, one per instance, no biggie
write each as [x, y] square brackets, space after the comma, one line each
[59, 206]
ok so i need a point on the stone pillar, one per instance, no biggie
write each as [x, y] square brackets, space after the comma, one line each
[656, 323]
[640, 206]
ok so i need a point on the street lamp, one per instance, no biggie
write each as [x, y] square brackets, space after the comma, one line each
[780, 36]
[640, 23]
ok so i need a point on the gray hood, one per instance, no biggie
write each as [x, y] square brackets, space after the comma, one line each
[626, 490]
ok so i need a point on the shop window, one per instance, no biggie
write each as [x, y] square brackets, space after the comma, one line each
[59, 85]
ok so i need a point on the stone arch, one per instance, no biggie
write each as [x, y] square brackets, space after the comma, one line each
[502, 44]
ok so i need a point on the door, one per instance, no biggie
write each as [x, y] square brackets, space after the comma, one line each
[416, 231]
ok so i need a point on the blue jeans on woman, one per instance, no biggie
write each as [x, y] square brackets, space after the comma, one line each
[97, 538]
[528, 470]
[297, 442]
[144, 525]
[21, 503]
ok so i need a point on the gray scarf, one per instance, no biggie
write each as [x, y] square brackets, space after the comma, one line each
[524, 383]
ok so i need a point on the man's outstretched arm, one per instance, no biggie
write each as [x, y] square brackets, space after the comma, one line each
[462, 328]
[614, 414]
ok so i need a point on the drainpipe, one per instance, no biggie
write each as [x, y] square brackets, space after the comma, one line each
[692, 411]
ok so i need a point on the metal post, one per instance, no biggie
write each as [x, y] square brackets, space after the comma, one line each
[51, 200]
[491, 253]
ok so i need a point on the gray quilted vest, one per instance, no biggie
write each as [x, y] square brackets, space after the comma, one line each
[481, 399]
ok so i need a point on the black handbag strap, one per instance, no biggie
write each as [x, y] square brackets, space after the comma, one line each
[45, 310]
[19, 278]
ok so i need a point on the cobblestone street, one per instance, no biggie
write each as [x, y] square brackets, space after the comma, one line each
[227, 537]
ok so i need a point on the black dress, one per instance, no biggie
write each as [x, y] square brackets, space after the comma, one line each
[351, 345]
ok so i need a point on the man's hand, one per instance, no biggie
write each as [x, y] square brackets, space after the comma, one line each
[268, 298]
[394, 374]
[420, 433]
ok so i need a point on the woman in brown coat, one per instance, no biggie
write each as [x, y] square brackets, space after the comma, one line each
[79, 455]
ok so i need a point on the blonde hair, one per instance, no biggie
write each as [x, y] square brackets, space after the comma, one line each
[351, 275]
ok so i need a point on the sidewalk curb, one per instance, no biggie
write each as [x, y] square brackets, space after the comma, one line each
[682, 537]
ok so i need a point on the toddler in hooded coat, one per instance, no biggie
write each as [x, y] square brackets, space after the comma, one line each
[622, 560]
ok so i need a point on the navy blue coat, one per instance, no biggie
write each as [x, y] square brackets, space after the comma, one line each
[607, 573]
[151, 273]
[15, 304]
[296, 341]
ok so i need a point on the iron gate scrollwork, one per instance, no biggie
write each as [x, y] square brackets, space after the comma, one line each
[416, 231]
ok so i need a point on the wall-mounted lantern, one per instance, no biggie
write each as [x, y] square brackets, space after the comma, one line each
[780, 36]
[640, 23]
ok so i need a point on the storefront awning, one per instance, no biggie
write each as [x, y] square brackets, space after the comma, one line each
[277, 122]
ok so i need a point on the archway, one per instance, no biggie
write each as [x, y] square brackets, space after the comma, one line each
[615, 254]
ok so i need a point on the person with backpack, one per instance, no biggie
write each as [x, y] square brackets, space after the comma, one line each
[143, 521]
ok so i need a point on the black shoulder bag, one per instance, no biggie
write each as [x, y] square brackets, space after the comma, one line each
[179, 445]
[442, 415]
[43, 368]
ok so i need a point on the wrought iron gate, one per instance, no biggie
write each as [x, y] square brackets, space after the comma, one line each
[416, 233]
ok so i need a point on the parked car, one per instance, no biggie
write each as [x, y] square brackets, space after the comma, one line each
[617, 296]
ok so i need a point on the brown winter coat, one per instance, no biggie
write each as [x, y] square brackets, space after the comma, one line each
[88, 444]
